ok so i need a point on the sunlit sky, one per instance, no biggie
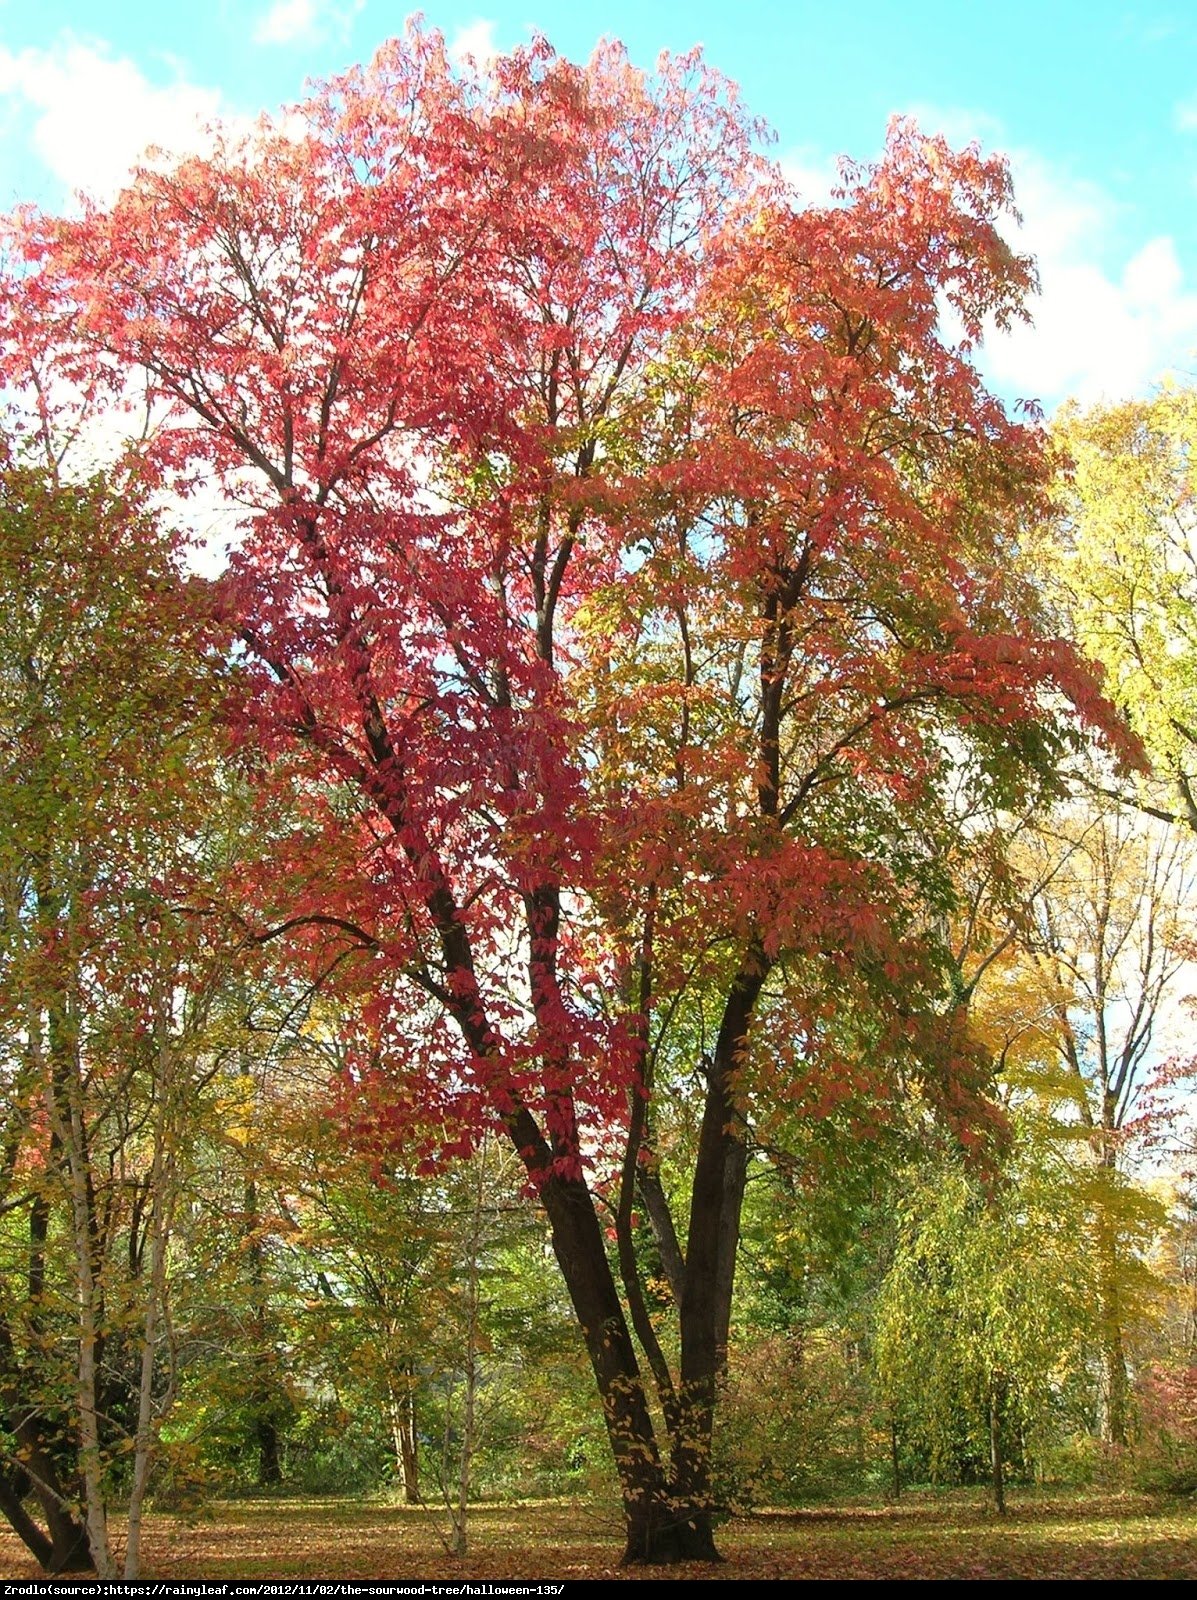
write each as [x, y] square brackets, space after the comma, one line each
[1095, 103]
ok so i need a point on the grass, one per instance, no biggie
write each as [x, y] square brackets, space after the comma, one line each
[1092, 1535]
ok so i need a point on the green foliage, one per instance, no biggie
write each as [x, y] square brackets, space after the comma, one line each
[989, 1302]
[111, 954]
[797, 1423]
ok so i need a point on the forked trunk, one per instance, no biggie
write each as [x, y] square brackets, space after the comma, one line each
[659, 1534]
[62, 1545]
[657, 1530]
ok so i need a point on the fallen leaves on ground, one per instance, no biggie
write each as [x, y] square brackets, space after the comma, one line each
[923, 1536]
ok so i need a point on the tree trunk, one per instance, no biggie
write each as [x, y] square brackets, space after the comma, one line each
[161, 1174]
[401, 1399]
[23, 1525]
[1115, 1382]
[997, 1398]
[264, 1399]
[720, 1173]
[469, 1415]
[658, 1530]
[1115, 1388]
[89, 1334]
[663, 1519]
[270, 1462]
[63, 1097]
[62, 1546]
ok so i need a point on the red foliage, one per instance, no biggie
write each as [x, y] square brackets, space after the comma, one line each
[1167, 1399]
[436, 327]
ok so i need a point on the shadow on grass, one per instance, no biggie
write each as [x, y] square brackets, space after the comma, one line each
[949, 1535]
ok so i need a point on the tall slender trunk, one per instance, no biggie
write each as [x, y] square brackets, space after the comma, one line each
[54, 1044]
[997, 1404]
[1115, 1381]
[143, 1439]
[469, 1412]
[64, 1095]
[159, 1199]
[265, 1427]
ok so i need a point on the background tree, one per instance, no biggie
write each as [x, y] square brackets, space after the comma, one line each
[1110, 945]
[1128, 573]
[984, 1315]
[106, 972]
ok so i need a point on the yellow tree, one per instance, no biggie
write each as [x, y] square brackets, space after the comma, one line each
[1127, 573]
[1074, 997]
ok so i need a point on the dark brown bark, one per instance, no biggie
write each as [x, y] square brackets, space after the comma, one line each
[655, 1531]
[270, 1465]
[720, 1172]
[660, 1220]
[23, 1525]
[582, 1257]
[62, 1545]
[63, 1548]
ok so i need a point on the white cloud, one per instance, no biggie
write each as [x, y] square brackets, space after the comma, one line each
[812, 173]
[95, 116]
[1098, 331]
[476, 42]
[287, 22]
[1106, 323]
[304, 21]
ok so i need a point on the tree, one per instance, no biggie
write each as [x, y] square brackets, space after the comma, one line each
[1111, 938]
[1128, 573]
[1073, 952]
[106, 682]
[984, 1312]
[632, 554]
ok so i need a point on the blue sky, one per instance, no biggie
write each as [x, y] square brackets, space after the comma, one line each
[1095, 102]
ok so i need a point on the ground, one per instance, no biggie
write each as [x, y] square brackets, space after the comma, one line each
[956, 1535]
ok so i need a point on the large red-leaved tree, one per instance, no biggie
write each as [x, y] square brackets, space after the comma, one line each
[632, 557]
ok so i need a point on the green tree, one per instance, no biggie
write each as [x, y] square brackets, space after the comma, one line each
[984, 1313]
[107, 970]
